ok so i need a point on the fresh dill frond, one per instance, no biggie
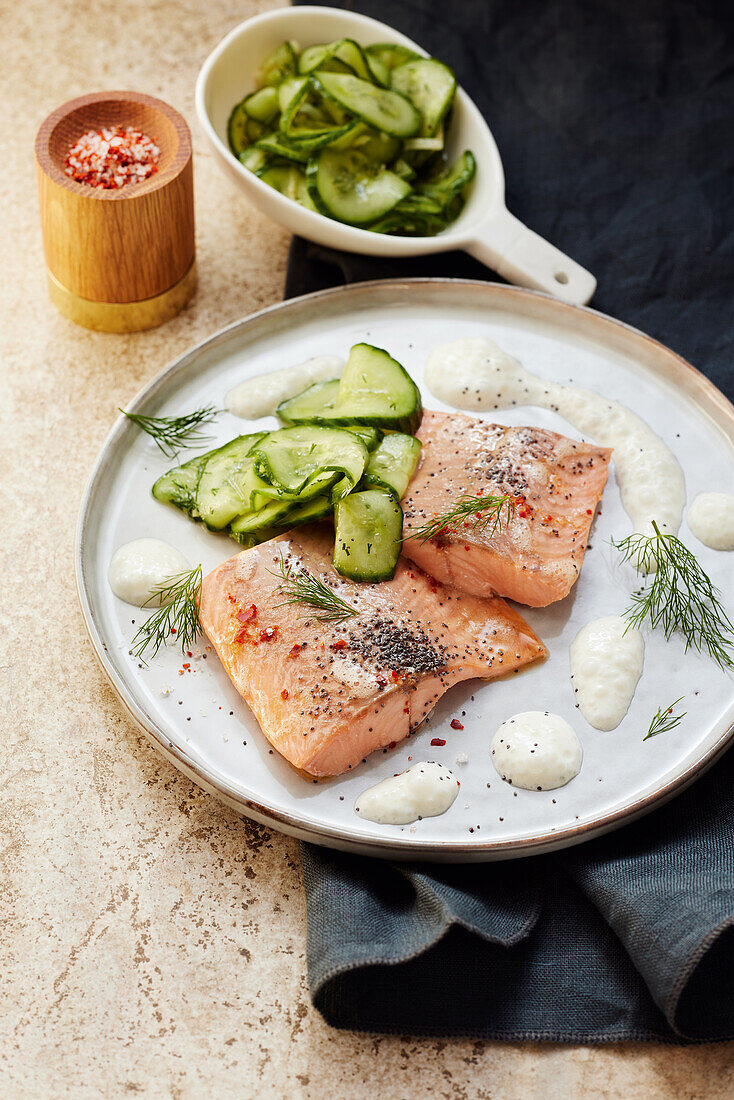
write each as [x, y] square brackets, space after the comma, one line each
[481, 513]
[177, 617]
[299, 586]
[664, 719]
[677, 595]
[173, 433]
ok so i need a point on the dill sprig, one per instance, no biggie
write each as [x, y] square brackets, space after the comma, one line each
[172, 433]
[179, 612]
[677, 595]
[481, 513]
[299, 586]
[664, 719]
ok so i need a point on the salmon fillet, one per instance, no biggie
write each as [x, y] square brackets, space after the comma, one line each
[535, 558]
[328, 693]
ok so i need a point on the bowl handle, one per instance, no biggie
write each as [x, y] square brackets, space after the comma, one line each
[524, 258]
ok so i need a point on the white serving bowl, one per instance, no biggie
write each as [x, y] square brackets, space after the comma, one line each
[485, 228]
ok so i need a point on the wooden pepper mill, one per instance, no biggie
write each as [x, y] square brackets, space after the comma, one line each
[123, 259]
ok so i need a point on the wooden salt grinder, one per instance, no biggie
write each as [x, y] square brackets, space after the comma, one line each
[118, 260]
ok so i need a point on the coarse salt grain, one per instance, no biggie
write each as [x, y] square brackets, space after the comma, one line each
[112, 157]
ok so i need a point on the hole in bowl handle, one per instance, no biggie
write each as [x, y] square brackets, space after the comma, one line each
[522, 257]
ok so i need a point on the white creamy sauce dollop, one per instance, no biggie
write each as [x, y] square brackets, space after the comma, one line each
[425, 790]
[475, 373]
[139, 567]
[711, 519]
[261, 396]
[606, 664]
[537, 751]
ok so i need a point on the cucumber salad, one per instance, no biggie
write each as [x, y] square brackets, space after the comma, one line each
[347, 449]
[355, 134]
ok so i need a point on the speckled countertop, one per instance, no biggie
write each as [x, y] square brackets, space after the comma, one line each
[153, 943]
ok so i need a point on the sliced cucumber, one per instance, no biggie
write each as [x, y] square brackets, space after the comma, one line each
[371, 437]
[346, 52]
[255, 130]
[283, 179]
[382, 148]
[378, 69]
[223, 491]
[394, 462]
[263, 105]
[178, 486]
[310, 405]
[272, 514]
[254, 159]
[385, 110]
[310, 511]
[278, 65]
[291, 458]
[291, 95]
[443, 187]
[236, 134]
[426, 144]
[376, 390]
[278, 145]
[430, 86]
[309, 141]
[369, 528]
[390, 54]
[349, 186]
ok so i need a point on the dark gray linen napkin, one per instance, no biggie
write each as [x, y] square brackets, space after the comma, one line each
[614, 123]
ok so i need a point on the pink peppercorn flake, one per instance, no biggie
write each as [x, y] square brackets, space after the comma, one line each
[456, 724]
[439, 741]
[112, 157]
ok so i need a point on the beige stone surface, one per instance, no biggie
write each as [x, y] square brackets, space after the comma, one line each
[153, 942]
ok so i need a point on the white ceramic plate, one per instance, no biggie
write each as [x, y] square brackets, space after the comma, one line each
[206, 730]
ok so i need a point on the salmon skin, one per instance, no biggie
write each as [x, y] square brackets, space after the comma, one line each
[536, 557]
[328, 693]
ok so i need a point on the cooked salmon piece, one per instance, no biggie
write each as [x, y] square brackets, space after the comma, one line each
[328, 693]
[536, 557]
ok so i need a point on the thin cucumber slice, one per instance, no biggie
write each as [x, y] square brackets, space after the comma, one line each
[403, 169]
[273, 513]
[394, 462]
[254, 129]
[371, 437]
[178, 486]
[236, 135]
[278, 65]
[263, 105]
[309, 141]
[378, 69]
[368, 536]
[276, 144]
[443, 187]
[430, 86]
[385, 110]
[283, 179]
[376, 390]
[306, 407]
[222, 492]
[291, 458]
[290, 94]
[254, 159]
[346, 52]
[310, 511]
[382, 148]
[426, 144]
[390, 54]
[350, 187]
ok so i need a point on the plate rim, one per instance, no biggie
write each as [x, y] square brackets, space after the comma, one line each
[710, 399]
